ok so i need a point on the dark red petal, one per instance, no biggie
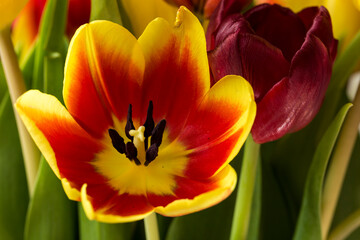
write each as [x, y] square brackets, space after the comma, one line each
[223, 11]
[251, 57]
[78, 14]
[278, 25]
[293, 102]
[321, 27]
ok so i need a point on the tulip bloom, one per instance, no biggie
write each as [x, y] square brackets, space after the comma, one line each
[143, 131]
[9, 9]
[286, 57]
[26, 26]
[345, 14]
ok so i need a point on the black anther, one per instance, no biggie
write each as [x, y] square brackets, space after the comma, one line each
[117, 141]
[131, 152]
[149, 122]
[151, 154]
[157, 133]
[129, 123]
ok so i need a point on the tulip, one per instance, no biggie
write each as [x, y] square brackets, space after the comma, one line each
[143, 131]
[286, 57]
[345, 14]
[9, 9]
[26, 26]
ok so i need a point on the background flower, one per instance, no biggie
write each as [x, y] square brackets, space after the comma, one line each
[9, 9]
[286, 57]
[27, 24]
[345, 15]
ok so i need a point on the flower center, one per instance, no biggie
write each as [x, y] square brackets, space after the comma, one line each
[137, 149]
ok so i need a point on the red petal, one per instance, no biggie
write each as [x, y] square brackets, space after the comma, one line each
[279, 26]
[251, 57]
[177, 72]
[292, 103]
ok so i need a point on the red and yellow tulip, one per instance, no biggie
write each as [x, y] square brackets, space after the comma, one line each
[9, 9]
[142, 130]
[26, 26]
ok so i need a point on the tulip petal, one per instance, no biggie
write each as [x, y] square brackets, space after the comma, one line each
[178, 52]
[26, 27]
[223, 10]
[294, 101]
[9, 9]
[65, 145]
[278, 25]
[194, 196]
[103, 204]
[319, 24]
[103, 70]
[218, 127]
[255, 61]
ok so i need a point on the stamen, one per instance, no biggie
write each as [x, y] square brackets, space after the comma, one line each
[131, 153]
[149, 122]
[117, 141]
[151, 154]
[129, 123]
[157, 133]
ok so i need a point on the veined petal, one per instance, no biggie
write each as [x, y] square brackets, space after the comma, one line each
[216, 130]
[103, 70]
[178, 53]
[65, 145]
[294, 101]
[195, 196]
[266, 19]
[103, 204]
[142, 12]
[253, 58]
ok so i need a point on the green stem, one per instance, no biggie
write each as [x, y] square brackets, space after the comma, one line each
[151, 227]
[16, 87]
[339, 164]
[345, 228]
[240, 224]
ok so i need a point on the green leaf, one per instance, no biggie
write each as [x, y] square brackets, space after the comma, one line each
[105, 10]
[3, 85]
[349, 200]
[255, 218]
[308, 225]
[51, 214]
[50, 37]
[14, 196]
[343, 67]
[93, 230]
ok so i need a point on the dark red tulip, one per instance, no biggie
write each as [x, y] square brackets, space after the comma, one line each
[286, 57]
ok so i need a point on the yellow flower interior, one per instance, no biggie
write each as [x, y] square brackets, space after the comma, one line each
[127, 177]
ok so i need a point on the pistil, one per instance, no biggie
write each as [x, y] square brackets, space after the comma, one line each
[138, 140]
